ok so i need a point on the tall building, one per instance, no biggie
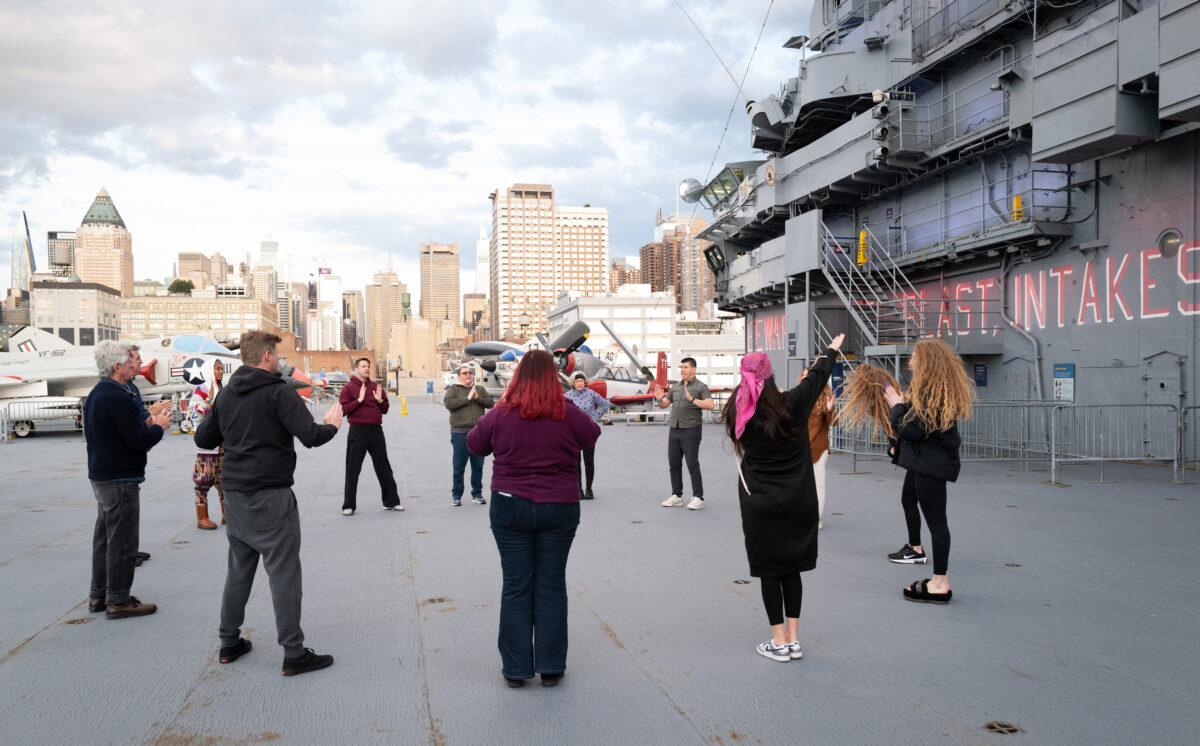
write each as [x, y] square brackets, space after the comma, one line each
[222, 318]
[354, 310]
[622, 273]
[384, 308]
[60, 252]
[269, 255]
[474, 307]
[264, 283]
[537, 248]
[653, 267]
[219, 269]
[104, 247]
[194, 266]
[439, 282]
[683, 261]
[23, 265]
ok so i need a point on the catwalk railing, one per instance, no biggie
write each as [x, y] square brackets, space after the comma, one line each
[1058, 434]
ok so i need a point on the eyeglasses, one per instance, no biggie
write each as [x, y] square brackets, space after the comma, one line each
[465, 373]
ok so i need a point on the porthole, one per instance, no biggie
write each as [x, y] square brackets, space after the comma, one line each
[1168, 242]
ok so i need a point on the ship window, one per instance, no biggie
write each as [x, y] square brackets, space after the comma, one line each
[1168, 243]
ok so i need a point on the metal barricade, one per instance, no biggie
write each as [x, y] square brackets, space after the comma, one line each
[319, 409]
[20, 418]
[1099, 433]
[1008, 431]
[1189, 441]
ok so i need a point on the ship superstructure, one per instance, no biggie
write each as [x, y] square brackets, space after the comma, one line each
[1016, 177]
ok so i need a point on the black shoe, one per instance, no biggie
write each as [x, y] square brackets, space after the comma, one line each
[143, 556]
[138, 562]
[96, 604]
[514, 683]
[588, 495]
[310, 661]
[551, 679]
[229, 655]
[131, 609]
[907, 556]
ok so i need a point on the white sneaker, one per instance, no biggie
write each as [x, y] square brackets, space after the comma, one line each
[820, 525]
[695, 504]
[674, 501]
[347, 511]
[396, 507]
[794, 650]
[769, 650]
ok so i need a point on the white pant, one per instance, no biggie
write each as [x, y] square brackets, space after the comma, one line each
[819, 474]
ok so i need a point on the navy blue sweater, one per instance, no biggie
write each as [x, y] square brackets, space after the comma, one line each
[117, 435]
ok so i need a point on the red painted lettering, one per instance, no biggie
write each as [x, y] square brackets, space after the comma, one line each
[1060, 274]
[1148, 284]
[1189, 278]
[984, 286]
[1035, 300]
[1090, 298]
[965, 288]
[1112, 286]
[1016, 300]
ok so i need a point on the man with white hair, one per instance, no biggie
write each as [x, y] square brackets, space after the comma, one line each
[118, 438]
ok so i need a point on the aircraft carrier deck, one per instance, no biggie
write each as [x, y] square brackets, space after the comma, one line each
[1075, 614]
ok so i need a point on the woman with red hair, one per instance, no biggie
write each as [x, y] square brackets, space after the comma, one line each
[535, 440]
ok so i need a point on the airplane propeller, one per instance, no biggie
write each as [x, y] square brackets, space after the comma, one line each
[632, 357]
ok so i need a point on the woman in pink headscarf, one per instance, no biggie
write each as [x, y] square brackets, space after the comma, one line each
[776, 488]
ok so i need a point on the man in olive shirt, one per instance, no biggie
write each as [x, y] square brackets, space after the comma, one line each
[685, 398]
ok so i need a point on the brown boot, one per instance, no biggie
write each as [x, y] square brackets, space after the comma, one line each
[222, 511]
[202, 517]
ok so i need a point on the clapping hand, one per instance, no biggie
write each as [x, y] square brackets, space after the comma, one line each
[334, 415]
[161, 417]
[474, 393]
[378, 392]
[362, 392]
[892, 396]
[836, 344]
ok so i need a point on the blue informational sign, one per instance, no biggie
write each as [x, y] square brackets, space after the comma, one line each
[1064, 382]
[791, 344]
[980, 375]
[429, 387]
[836, 379]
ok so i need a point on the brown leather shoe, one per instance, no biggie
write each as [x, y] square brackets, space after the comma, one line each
[96, 604]
[133, 608]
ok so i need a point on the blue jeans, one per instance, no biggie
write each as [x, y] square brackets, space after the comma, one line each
[534, 540]
[115, 540]
[461, 456]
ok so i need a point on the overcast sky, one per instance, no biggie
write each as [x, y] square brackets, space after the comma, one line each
[347, 131]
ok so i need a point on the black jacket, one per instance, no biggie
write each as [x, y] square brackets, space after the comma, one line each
[931, 454]
[255, 418]
[114, 423]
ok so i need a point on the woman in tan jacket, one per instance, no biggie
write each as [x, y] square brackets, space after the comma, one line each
[823, 417]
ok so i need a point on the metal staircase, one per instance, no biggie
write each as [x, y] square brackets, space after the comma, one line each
[881, 300]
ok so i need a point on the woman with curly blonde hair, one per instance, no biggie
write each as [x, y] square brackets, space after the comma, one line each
[925, 436]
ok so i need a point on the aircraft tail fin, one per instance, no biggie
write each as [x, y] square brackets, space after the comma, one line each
[32, 339]
[661, 378]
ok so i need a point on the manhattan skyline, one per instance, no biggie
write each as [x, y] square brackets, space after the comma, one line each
[347, 134]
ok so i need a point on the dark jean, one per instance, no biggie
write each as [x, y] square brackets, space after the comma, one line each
[264, 524]
[534, 540]
[115, 540]
[681, 443]
[361, 440]
[461, 456]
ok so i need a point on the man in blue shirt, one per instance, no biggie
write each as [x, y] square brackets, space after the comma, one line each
[118, 438]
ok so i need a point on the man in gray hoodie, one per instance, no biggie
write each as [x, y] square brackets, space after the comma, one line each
[467, 402]
[256, 418]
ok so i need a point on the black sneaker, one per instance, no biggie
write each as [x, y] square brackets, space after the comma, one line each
[907, 556]
[229, 655]
[310, 661]
[551, 679]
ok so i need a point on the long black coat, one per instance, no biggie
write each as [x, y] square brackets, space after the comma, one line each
[779, 496]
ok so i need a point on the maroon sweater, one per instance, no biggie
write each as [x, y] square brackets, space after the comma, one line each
[369, 412]
[534, 459]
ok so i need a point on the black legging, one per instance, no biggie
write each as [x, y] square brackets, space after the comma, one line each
[588, 455]
[782, 595]
[930, 494]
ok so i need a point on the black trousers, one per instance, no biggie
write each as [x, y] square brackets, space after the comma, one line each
[588, 456]
[364, 439]
[685, 443]
[782, 596]
[929, 494]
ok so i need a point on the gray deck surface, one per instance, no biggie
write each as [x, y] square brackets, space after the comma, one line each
[1075, 614]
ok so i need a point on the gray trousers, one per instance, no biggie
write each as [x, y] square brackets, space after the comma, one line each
[115, 540]
[267, 524]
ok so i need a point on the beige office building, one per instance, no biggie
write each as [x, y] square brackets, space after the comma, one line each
[414, 343]
[439, 282]
[82, 313]
[384, 308]
[474, 308]
[194, 266]
[537, 248]
[104, 247]
[222, 318]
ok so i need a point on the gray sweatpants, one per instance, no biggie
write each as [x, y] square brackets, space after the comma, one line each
[267, 524]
